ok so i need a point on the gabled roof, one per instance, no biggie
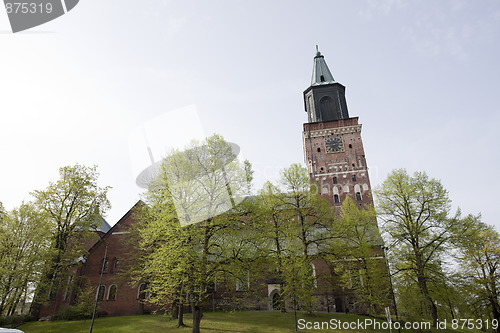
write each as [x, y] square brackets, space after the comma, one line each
[117, 225]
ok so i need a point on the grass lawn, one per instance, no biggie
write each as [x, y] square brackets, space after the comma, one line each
[212, 322]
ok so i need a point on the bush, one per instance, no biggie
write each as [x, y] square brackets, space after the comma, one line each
[75, 312]
[14, 320]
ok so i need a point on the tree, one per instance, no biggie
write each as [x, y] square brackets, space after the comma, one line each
[479, 256]
[191, 230]
[73, 205]
[358, 257]
[269, 220]
[295, 224]
[24, 246]
[414, 210]
[307, 213]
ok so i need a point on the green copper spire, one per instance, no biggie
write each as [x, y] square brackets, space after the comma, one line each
[321, 74]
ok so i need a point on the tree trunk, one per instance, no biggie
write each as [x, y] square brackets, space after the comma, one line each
[197, 315]
[175, 309]
[295, 312]
[422, 284]
[451, 309]
[45, 281]
[180, 313]
[495, 311]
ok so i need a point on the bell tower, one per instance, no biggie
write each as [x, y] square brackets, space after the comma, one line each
[333, 148]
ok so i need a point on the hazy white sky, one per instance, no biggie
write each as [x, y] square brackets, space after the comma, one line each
[423, 77]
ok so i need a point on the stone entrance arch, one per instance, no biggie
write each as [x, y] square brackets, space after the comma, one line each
[273, 295]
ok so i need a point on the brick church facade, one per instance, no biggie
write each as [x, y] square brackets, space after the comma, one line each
[335, 158]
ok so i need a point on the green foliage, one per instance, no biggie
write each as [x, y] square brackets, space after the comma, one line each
[204, 180]
[73, 206]
[191, 232]
[294, 224]
[415, 213]
[14, 320]
[24, 247]
[479, 258]
[75, 312]
[360, 263]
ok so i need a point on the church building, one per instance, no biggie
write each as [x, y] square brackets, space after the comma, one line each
[335, 158]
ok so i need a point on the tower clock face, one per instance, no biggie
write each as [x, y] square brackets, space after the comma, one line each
[334, 144]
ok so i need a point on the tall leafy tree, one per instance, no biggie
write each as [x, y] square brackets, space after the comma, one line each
[24, 246]
[415, 212]
[271, 223]
[72, 205]
[309, 215]
[191, 229]
[295, 223]
[358, 256]
[479, 257]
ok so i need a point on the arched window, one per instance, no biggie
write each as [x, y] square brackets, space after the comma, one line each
[310, 114]
[335, 180]
[106, 265]
[326, 107]
[112, 292]
[243, 281]
[319, 150]
[67, 293]
[141, 292]
[117, 264]
[353, 178]
[358, 196]
[312, 274]
[336, 198]
[101, 292]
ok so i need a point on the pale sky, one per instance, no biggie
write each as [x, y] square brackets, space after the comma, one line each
[422, 76]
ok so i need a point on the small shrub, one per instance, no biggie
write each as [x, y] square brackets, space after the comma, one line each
[75, 312]
[14, 320]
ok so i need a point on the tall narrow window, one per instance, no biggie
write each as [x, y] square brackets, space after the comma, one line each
[312, 275]
[336, 198]
[106, 265]
[67, 293]
[54, 287]
[353, 178]
[112, 292]
[326, 107]
[117, 264]
[243, 281]
[101, 292]
[141, 292]
[335, 180]
[358, 196]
